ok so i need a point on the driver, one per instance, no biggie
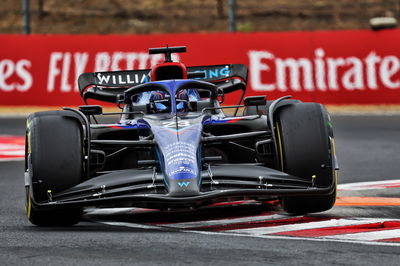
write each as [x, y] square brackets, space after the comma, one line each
[159, 100]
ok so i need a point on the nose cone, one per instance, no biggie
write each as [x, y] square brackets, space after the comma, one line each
[183, 188]
[179, 154]
[181, 168]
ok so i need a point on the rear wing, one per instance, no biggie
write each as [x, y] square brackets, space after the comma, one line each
[120, 80]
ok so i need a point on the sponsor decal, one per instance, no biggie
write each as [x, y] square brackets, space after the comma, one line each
[215, 73]
[177, 127]
[65, 68]
[121, 79]
[340, 67]
[323, 72]
[15, 75]
[184, 184]
[222, 121]
[176, 124]
[180, 158]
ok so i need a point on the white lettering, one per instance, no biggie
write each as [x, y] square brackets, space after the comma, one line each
[120, 81]
[65, 86]
[129, 81]
[24, 74]
[320, 69]
[130, 60]
[371, 60]
[389, 66]
[103, 78]
[333, 65]
[11, 70]
[350, 73]
[294, 71]
[256, 67]
[353, 78]
[6, 70]
[174, 57]
[143, 58]
[102, 62]
[116, 59]
[53, 70]
[81, 60]
[159, 58]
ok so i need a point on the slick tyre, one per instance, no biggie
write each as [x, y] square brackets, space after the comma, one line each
[54, 163]
[306, 149]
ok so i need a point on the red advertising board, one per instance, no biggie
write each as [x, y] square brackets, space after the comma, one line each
[335, 67]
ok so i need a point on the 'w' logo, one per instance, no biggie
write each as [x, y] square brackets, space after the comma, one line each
[183, 184]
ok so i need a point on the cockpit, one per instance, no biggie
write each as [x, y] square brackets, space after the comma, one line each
[160, 101]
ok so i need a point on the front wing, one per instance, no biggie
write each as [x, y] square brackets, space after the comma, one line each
[146, 188]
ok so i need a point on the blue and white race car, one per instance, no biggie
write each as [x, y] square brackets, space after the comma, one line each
[175, 147]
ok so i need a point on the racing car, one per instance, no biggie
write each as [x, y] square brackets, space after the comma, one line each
[175, 146]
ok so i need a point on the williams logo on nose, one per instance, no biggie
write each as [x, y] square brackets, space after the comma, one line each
[183, 184]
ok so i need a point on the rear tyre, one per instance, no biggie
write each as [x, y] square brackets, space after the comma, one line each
[54, 163]
[306, 147]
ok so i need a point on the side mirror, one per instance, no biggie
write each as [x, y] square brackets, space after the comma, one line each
[232, 85]
[255, 100]
[100, 95]
[204, 93]
[91, 109]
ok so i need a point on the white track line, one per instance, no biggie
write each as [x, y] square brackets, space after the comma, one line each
[278, 237]
[133, 225]
[272, 237]
[12, 152]
[367, 236]
[367, 185]
[11, 159]
[227, 221]
[303, 226]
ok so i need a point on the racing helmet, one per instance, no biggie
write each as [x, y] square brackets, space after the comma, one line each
[182, 101]
[160, 102]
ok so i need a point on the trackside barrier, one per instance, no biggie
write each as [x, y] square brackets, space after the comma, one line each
[332, 67]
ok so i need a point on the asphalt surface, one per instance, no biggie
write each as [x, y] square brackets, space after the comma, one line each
[367, 148]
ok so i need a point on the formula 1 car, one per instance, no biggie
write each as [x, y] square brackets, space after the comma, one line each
[174, 147]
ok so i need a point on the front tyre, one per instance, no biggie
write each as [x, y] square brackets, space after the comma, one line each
[306, 149]
[54, 155]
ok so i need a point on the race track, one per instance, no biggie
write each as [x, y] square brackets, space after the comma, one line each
[362, 229]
